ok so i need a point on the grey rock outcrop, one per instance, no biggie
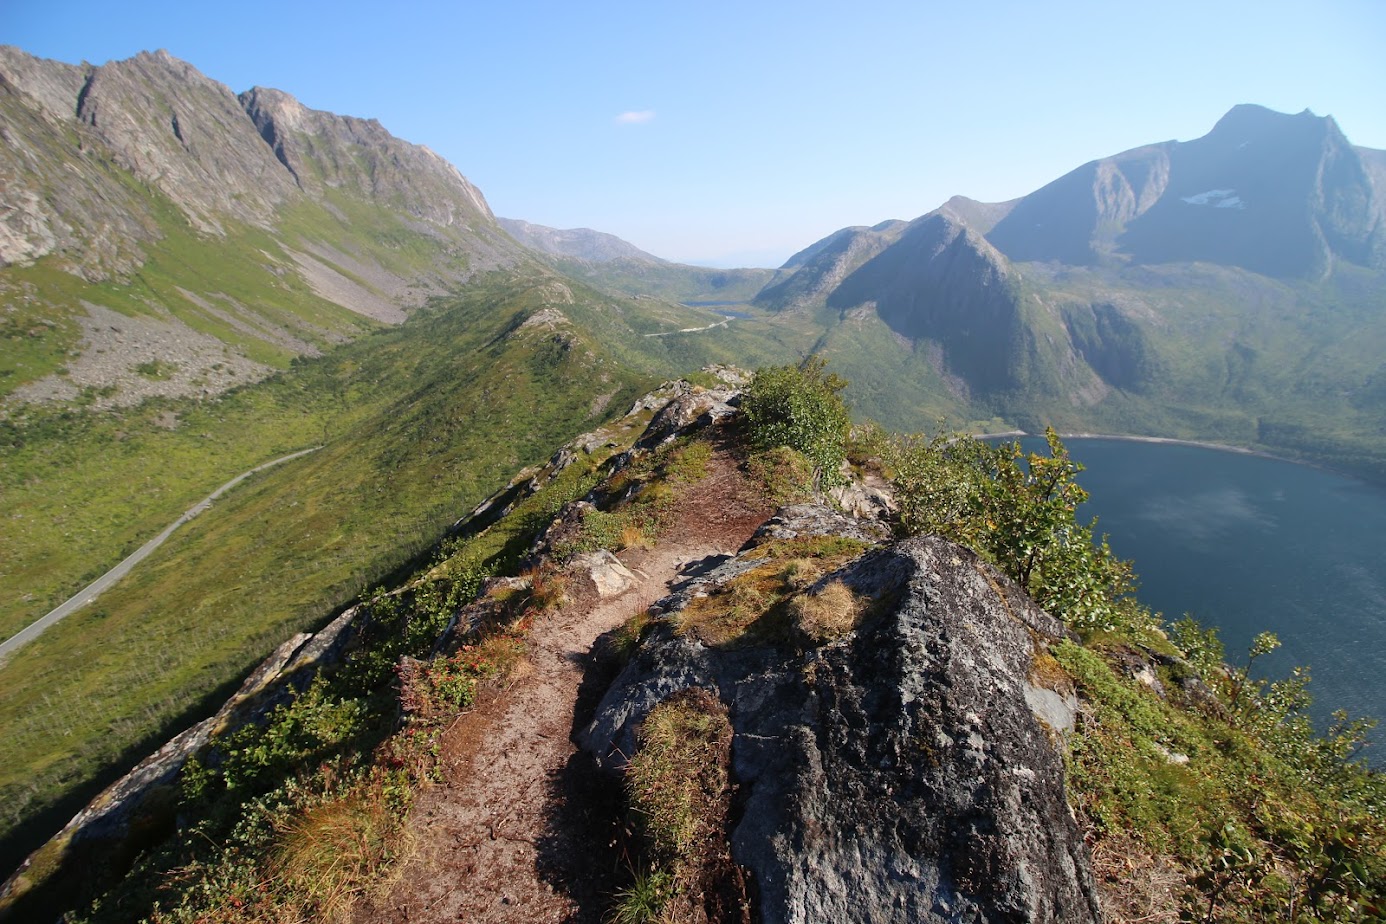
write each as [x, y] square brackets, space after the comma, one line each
[898, 774]
[696, 408]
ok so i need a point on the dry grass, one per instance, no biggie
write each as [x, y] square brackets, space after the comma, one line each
[333, 853]
[827, 615]
[784, 475]
[726, 615]
[679, 771]
[1046, 672]
[1135, 887]
[548, 589]
[634, 536]
[625, 639]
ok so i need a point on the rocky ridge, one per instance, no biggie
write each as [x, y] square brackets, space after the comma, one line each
[108, 167]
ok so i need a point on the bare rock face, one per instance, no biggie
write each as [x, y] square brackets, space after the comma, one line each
[322, 149]
[187, 135]
[898, 774]
[606, 572]
[696, 408]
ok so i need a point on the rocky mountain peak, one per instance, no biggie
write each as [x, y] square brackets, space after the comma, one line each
[1278, 194]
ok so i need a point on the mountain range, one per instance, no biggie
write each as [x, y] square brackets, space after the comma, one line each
[196, 280]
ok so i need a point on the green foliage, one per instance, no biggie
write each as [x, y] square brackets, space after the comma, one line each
[644, 900]
[1200, 646]
[679, 771]
[802, 408]
[785, 475]
[296, 734]
[1264, 820]
[418, 433]
[642, 498]
[1020, 511]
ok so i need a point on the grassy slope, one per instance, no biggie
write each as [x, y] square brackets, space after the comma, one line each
[1251, 361]
[1232, 357]
[423, 422]
[65, 486]
[419, 422]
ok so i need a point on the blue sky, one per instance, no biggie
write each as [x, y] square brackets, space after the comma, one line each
[758, 127]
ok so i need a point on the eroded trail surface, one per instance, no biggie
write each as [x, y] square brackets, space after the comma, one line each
[520, 829]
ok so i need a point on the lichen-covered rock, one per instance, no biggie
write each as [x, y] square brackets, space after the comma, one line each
[686, 411]
[802, 521]
[898, 774]
[605, 571]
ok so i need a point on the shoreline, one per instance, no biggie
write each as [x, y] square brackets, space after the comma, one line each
[1163, 440]
[1197, 444]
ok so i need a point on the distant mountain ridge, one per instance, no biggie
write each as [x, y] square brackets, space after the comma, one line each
[578, 243]
[1284, 196]
[1232, 287]
[607, 261]
[256, 224]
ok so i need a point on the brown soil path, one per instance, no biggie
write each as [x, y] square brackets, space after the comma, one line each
[521, 829]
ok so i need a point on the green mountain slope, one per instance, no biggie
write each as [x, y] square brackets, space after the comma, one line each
[418, 424]
[1230, 288]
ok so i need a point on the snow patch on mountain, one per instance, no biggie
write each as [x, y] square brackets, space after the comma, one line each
[1217, 198]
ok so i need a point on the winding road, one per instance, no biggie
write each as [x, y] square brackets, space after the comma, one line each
[91, 591]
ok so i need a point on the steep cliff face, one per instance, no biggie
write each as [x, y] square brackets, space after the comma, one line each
[323, 150]
[942, 284]
[187, 136]
[899, 773]
[215, 156]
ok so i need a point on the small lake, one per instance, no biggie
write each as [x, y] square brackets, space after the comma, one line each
[1250, 545]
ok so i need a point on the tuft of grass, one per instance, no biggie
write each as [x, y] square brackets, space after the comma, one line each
[548, 589]
[330, 854]
[733, 613]
[625, 640]
[678, 776]
[755, 607]
[644, 900]
[828, 615]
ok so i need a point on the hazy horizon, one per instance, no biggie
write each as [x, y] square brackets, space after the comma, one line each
[725, 135]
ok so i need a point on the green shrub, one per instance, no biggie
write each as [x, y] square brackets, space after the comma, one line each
[802, 408]
[1018, 510]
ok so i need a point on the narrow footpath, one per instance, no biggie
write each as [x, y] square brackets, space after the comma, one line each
[520, 828]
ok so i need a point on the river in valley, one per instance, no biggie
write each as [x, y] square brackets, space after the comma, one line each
[1251, 544]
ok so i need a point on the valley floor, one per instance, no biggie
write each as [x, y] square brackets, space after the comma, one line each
[516, 831]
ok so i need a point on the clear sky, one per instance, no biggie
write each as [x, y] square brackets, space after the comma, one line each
[737, 133]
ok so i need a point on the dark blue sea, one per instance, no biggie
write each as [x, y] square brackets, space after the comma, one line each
[1250, 544]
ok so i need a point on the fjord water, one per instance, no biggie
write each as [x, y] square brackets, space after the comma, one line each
[1250, 544]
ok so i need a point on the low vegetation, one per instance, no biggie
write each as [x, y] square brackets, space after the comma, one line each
[413, 441]
[678, 787]
[1210, 785]
[801, 408]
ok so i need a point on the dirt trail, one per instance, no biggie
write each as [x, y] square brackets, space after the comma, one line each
[520, 829]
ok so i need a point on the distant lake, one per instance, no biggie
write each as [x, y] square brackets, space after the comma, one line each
[1250, 545]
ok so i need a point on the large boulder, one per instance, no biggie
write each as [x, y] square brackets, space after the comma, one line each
[898, 774]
